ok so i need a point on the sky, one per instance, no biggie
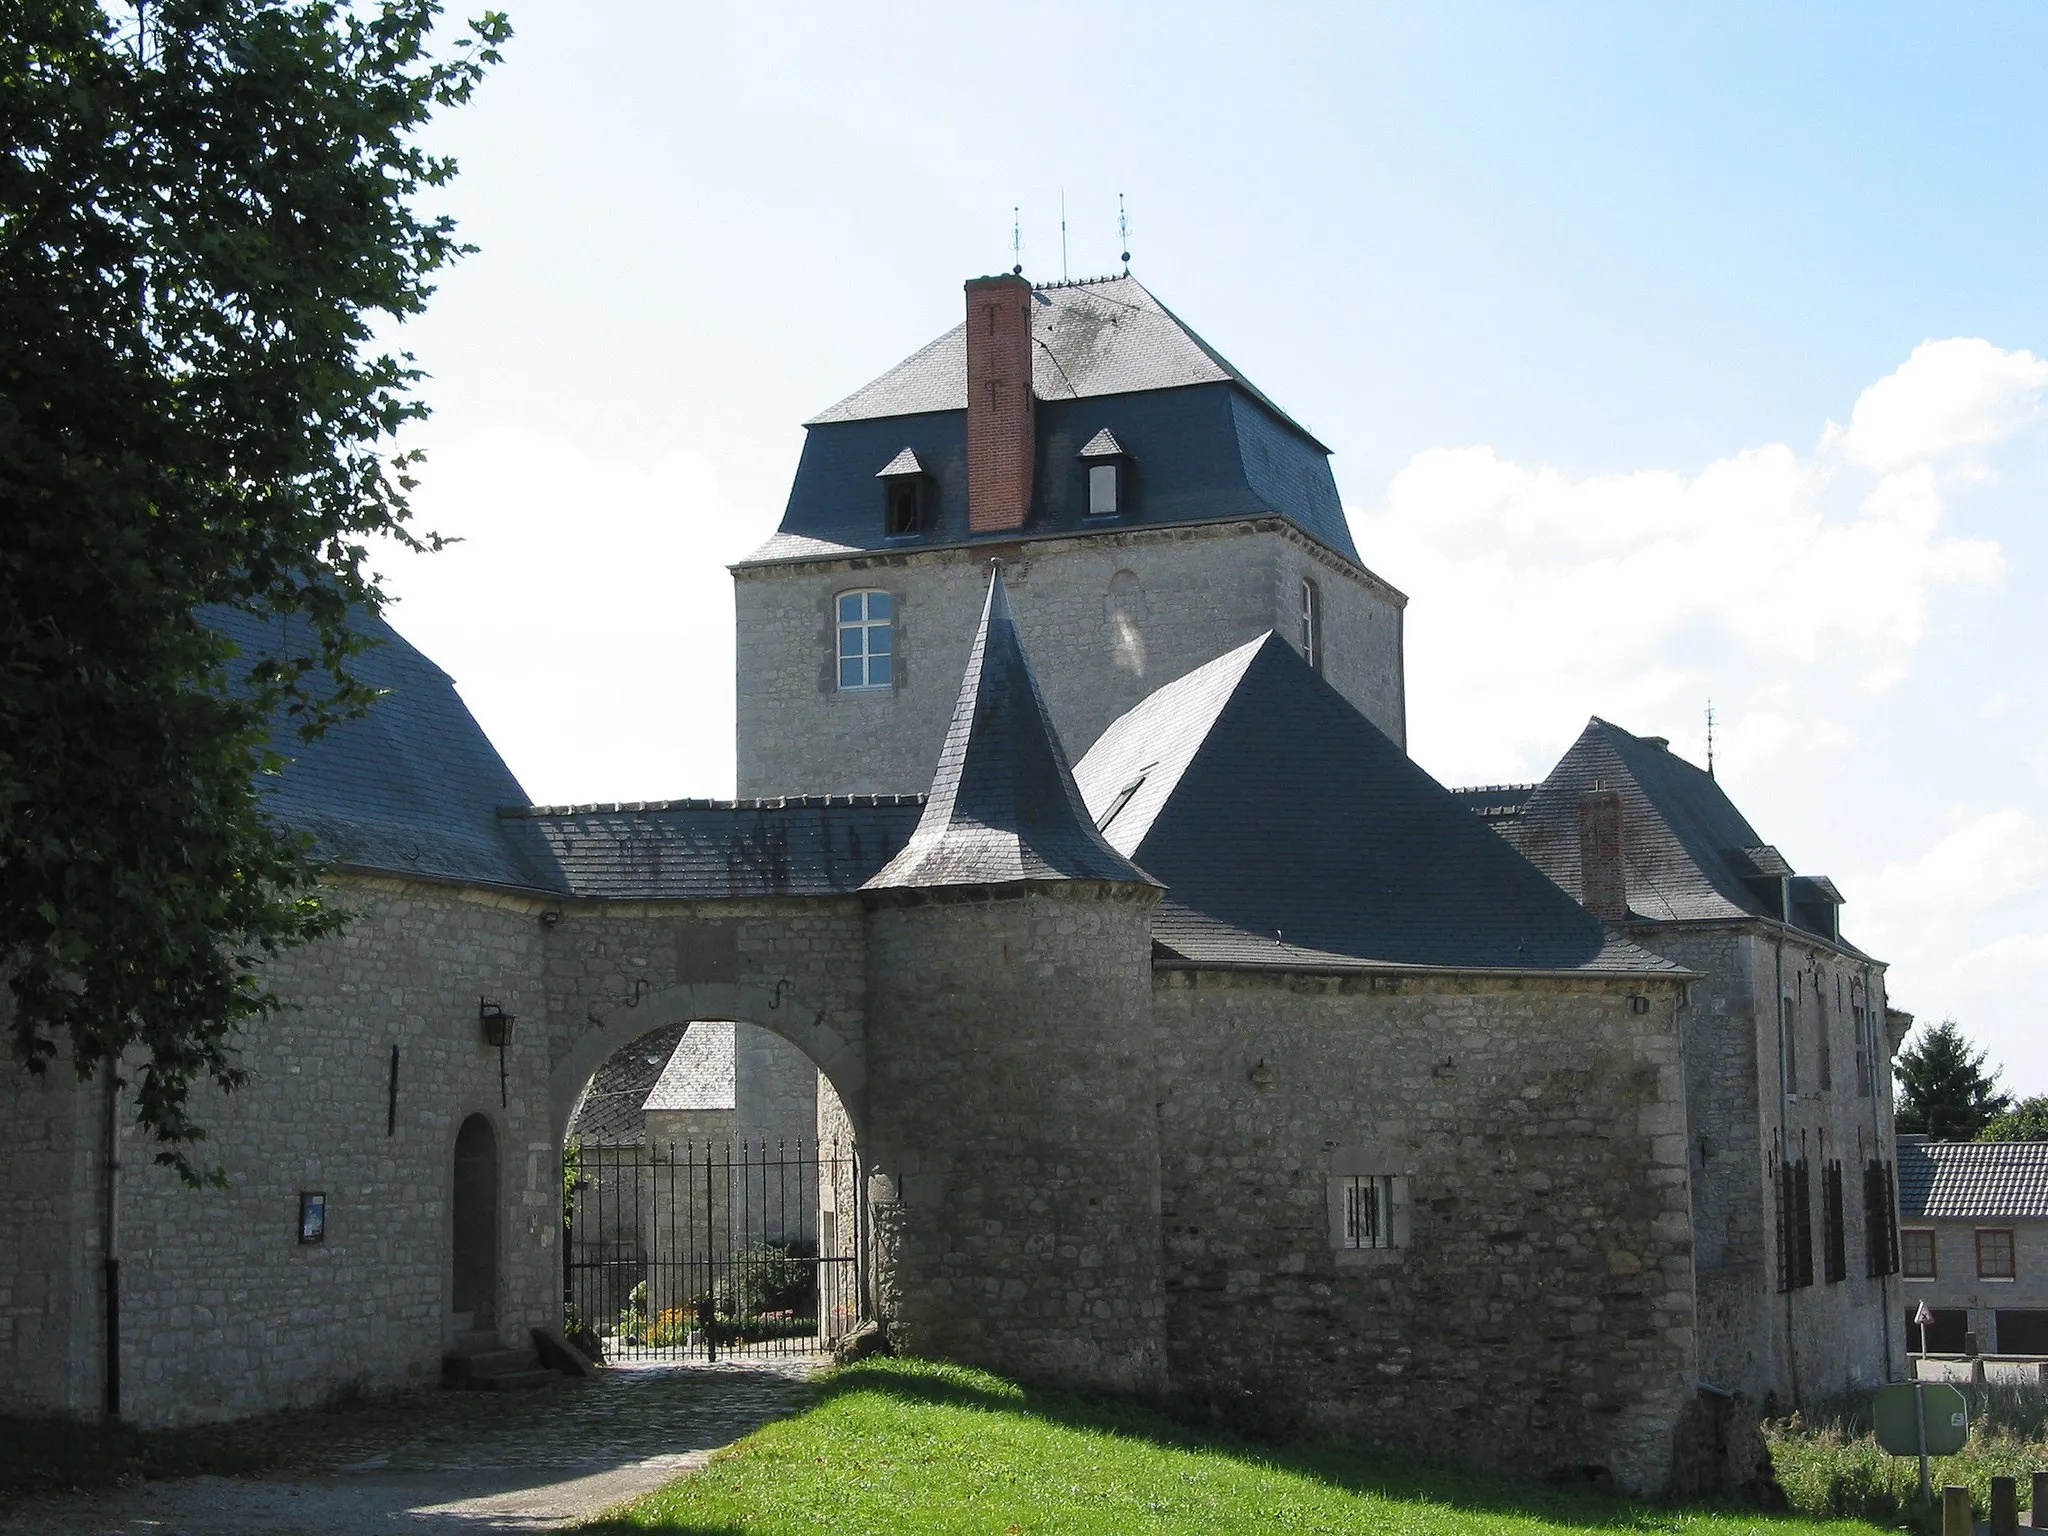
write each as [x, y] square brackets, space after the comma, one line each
[1669, 355]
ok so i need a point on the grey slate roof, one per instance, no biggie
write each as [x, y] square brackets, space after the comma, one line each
[1994, 1180]
[1290, 832]
[609, 1113]
[1103, 445]
[1690, 853]
[686, 850]
[1105, 336]
[905, 463]
[1002, 807]
[702, 1071]
[411, 787]
[1202, 444]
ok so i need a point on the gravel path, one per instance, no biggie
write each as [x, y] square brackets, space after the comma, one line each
[470, 1462]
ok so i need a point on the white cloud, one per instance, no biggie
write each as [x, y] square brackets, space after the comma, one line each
[1541, 597]
[587, 615]
[1949, 395]
[1985, 863]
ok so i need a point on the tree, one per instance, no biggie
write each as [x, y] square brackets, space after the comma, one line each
[1944, 1091]
[205, 207]
[2026, 1120]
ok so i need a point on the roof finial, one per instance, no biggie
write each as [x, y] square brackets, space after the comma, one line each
[1016, 241]
[1710, 738]
[1063, 234]
[1123, 232]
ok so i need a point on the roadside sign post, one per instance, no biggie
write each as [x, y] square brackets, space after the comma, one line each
[1920, 1424]
[1923, 1318]
[1922, 1419]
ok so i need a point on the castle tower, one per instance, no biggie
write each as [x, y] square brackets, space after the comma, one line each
[1014, 1144]
[1151, 508]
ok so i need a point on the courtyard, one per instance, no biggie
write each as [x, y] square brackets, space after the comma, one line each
[447, 1461]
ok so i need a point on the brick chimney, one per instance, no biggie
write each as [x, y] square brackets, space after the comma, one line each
[1001, 436]
[1603, 871]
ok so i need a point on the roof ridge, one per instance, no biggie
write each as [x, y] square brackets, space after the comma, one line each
[743, 803]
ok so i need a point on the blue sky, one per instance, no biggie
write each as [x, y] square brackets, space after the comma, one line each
[1667, 353]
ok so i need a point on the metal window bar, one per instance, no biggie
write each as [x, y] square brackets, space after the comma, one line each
[1368, 1211]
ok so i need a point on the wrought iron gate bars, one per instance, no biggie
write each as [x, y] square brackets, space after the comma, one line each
[693, 1250]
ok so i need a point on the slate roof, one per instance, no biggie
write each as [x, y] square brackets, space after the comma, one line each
[1290, 832]
[1103, 445]
[1101, 336]
[702, 1071]
[1690, 853]
[610, 1111]
[1994, 1180]
[689, 850]
[1003, 807]
[411, 787]
[1203, 445]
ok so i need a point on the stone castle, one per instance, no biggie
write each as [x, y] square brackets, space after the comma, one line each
[1537, 1124]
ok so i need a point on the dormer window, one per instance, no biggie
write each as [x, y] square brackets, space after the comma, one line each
[906, 495]
[1105, 465]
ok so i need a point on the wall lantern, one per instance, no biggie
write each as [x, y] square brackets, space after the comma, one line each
[496, 1021]
[497, 1031]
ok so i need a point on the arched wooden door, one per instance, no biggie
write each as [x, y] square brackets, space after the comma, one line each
[475, 1224]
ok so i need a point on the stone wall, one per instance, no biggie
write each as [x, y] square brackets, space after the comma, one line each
[1015, 1162]
[1538, 1309]
[1955, 1284]
[1107, 619]
[52, 1236]
[224, 1311]
[1811, 1342]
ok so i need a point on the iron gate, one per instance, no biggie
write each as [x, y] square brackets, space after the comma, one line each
[696, 1250]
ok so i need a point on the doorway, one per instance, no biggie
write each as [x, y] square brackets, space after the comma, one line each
[475, 1224]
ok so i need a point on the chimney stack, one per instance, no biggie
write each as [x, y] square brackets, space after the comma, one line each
[1001, 435]
[1603, 871]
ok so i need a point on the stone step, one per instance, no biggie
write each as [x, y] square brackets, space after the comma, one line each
[516, 1381]
[491, 1362]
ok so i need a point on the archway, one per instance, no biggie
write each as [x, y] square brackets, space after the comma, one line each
[474, 1224]
[710, 1192]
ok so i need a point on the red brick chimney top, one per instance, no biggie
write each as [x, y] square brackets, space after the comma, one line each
[1002, 436]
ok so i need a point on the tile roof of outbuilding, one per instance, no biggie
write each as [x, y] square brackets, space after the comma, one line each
[1003, 807]
[1980, 1180]
[692, 850]
[1291, 832]
[609, 1112]
[1103, 336]
[702, 1071]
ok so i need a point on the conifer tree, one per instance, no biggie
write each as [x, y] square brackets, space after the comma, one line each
[1944, 1091]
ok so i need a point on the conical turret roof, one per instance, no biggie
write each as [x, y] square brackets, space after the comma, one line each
[1003, 807]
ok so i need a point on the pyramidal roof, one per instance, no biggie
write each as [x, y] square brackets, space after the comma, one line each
[1290, 832]
[1107, 336]
[1003, 807]
[1691, 853]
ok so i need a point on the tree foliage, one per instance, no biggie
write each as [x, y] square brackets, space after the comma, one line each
[205, 208]
[1944, 1091]
[2026, 1120]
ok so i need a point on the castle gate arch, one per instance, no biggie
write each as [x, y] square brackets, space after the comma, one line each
[667, 1245]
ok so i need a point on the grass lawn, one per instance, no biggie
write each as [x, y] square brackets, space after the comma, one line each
[907, 1446]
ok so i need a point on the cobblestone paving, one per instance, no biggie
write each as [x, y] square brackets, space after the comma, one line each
[471, 1462]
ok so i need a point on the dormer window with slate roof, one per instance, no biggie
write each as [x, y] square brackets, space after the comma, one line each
[906, 495]
[1104, 462]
